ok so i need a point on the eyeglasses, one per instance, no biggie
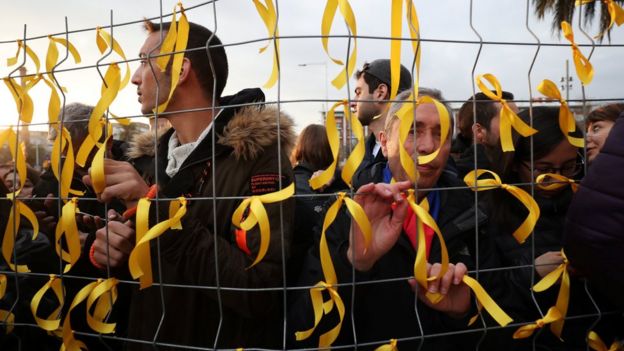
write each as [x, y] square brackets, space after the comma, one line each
[569, 169]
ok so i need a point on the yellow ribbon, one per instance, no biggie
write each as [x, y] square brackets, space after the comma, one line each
[563, 298]
[140, 262]
[328, 18]
[525, 229]
[12, 227]
[63, 142]
[176, 40]
[616, 14]
[66, 227]
[508, 118]
[53, 321]
[6, 317]
[525, 331]
[392, 346]
[20, 45]
[584, 68]
[257, 215]
[567, 124]
[69, 342]
[321, 307]
[485, 300]
[595, 342]
[334, 144]
[269, 17]
[562, 181]
[395, 45]
[357, 154]
[17, 154]
[23, 101]
[105, 293]
[104, 42]
[54, 106]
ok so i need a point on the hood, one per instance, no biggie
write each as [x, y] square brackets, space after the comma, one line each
[253, 128]
[142, 144]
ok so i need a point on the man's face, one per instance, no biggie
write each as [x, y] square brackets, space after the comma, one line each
[423, 142]
[492, 136]
[148, 80]
[363, 102]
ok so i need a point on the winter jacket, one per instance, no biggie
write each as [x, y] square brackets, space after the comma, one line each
[369, 170]
[388, 309]
[209, 298]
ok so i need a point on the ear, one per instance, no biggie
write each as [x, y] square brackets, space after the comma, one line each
[381, 93]
[479, 133]
[383, 140]
[185, 72]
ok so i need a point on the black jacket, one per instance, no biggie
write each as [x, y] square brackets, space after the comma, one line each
[371, 168]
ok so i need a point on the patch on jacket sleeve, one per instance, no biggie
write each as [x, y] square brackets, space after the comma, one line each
[265, 183]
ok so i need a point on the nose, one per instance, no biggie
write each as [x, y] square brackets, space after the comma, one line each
[136, 77]
[425, 143]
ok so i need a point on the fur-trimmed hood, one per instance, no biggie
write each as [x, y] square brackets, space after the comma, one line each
[248, 132]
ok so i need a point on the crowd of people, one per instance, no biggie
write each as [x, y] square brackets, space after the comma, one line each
[210, 291]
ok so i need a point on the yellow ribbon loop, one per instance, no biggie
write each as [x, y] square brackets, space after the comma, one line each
[524, 230]
[328, 18]
[96, 120]
[66, 227]
[176, 40]
[53, 321]
[105, 293]
[508, 118]
[98, 176]
[257, 215]
[616, 14]
[484, 300]
[567, 123]
[104, 41]
[357, 154]
[17, 155]
[561, 181]
[5, 316]
[584, 69]
[269, 17]
[20, 45]
[525, 331]
[140, 262]
[563, 298]
[69, 342]
[420, 264]
[395, 45]
[595, 343]
[63, 145]
[334, 144]
[392, 346]
[320, 306]
[54, 106]
[23, 101]
[12, 227]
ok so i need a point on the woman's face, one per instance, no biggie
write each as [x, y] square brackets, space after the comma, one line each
[597, 133]
[561, 160]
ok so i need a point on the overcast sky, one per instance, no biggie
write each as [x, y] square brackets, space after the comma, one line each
[446, 66]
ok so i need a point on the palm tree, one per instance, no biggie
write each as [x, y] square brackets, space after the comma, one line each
[564, 11]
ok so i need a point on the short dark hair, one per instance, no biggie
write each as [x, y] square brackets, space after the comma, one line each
[313, 148]
[200, 37]
[378, 72]
[605, 113]
[486, 111]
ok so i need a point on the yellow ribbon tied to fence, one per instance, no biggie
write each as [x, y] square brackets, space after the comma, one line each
[21, 45]
[18, 210]
[53, 321]
[584, 69]
[54, 106]
[6, 317]
[258, 215]
[561, 181]
[175, 41]
[320, 306]
[563, 298]
[616, 14]
[269, 17]
[9, 137]
[525, 229]
[508, 118]
[328, 18]
[105, 293]
[357, 154]
[567, 123]
[63, 144]
[525, 331]
[140, 262]
[67, 228]
[334, 144]
[23, 101]
[392, 346]
[395, 44]
[595, 343]
[69, 342]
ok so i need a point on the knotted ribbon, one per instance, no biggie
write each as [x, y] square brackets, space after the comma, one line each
[562, 181]
[525, 331]
[567, 124]
[563, 298]
[595, 343]
[584, 69]
[616, 14]
[53, 321]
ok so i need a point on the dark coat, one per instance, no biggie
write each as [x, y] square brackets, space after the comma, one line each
[386, 309]
[594, 231]
[245, 161]
[370, 170]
